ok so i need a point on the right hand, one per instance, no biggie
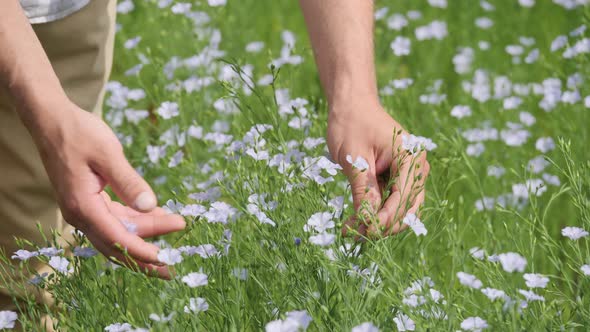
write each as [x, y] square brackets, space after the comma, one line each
[82, 155]
[362, 128]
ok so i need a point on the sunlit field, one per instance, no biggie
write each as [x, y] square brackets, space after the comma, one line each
[219, 106]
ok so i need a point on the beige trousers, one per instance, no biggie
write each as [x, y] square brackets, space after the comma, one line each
[80, 48]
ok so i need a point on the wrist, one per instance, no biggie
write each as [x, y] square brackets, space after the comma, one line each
[38, 110]
[357, 103]
[46, 120]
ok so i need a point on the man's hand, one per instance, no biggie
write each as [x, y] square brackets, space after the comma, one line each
[82, 155]
[341, 34]
[364, 129]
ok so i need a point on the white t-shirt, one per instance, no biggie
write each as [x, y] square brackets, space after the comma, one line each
[43, 11]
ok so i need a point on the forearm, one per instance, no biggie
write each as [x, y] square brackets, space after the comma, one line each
[341, 33]
[25, 70]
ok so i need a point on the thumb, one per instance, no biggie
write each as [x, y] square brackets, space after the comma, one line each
[127, 184]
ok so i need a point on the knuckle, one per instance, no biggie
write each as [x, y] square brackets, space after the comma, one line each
[131, 186]
[71, 208]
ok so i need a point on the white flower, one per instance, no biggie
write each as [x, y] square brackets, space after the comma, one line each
[469, 280]
[474, 324]
[132, 42]
[535, 186]
[526, 3]
[558, 43]
[545, 144]
[196, 305]
[574, 233]
[260, 215]
[265, 80]
[534, 280]
[434, 30]
[527, 118]
[323, 239]
[397, 22]
[462, 61]
[320, 222]
[475, 150]
[220, 212]
[119, 327]
[255, 47]
[537, 164]
[155, 152]
[301, 317]
[39, 278]
[125, 7]
[7, 319]
[551, 179]
[400, 46]
[414, 300]
[192, 210]
[60, 264]
[460, 111]
[514, 136]
[181, 8]
[585, 269]
[531, 296]
[161, 318]
[168, 110]
[85, 252]
[484, 23]
[330, 167]
[295, 321]
[493, 294]
[496, 171]
[204, 250]
[176, 159]
[217, 3]
[365, 327]
[360, 163]
[134, 116]
[414, 144]
[512, 261]
[532, 56]
[281, 326]
[511, 103]
[169, 256]
[24, 255]
[438, 3]
[195, 279]
[50, 251]
[477, 253]
[240, 273]
[404, 323]
[415, 224]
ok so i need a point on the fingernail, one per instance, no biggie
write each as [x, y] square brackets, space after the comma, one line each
[145, 201]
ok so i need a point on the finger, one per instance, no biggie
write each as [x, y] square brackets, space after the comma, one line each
[365, 188]
[119, 209]
[125, 181]
[393, 223]
[352, 227]
[151, 225]
[105, 226]
[119, 258]
[415, 209]
[409, 183]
